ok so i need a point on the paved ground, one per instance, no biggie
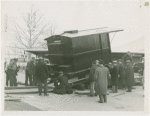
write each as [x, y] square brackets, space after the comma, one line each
[19, 106]
[28, 100]
[121, 101]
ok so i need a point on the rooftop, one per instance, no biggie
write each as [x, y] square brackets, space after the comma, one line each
[77, 33]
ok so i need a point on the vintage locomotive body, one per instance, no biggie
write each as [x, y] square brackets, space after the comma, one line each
[73, 52]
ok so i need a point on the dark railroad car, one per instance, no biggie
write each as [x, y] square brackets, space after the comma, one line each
[136, 57]
[73, 51]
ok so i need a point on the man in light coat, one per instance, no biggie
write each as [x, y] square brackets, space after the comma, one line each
[101, 78]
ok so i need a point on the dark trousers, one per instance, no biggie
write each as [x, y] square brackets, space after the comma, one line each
[103, 98]
[11, 77]
[115, 89]
[129, 88]
[122, 84]
[34, 80]
[29, 76]
[7, 79]
[15, 80]
[40, 86]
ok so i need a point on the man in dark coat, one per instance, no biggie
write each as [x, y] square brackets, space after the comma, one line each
[30, 71]
[114, 77]
[121, 74]
[34, 76]
[127, 57]
[63, 86]
[92, 81]
[101, 78]
[5, 68]
[129, 75]
[41, 73]
[110, 67]
[11, 72]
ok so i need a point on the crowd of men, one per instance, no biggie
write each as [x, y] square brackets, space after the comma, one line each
[121, 73]
[37, 72]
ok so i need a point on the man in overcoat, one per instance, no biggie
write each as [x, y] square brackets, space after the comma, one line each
[34, 76]
[63, 85]
[114, 77]
[30, 72]
[92, 81]
[41, 73]
[11, 71]
[5, 68]
[121, 74]
[101, 78]
[110, 67]
[129, 75]
[16, 71]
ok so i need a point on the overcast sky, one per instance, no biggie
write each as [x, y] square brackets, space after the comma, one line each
[130, 16]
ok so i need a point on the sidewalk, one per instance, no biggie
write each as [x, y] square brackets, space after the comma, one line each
[19, 106]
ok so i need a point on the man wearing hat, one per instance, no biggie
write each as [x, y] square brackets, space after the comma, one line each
[36, 61]
[41, 73]
[114, 77]
[110, 67]
[11, 71]
[129, 75]
[30, 72]
[101, 78]
[63, 86]
[16, 71]
[121, 74]
[127, 57]
[92, 81]
[5, 68]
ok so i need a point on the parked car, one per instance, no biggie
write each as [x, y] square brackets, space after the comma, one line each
[138, 78]
[138, 66]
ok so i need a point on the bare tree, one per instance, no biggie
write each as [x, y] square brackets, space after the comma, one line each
[50, 31]
[29, 35]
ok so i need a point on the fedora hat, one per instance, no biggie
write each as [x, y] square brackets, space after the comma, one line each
[109, 63]
[15, 59]
[128, 61]
[114, 61]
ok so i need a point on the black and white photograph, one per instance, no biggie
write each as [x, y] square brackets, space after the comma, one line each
[75, 56]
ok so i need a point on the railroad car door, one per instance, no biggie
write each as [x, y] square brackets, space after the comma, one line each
[105, 46]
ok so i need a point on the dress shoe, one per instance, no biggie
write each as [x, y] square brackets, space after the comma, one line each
[128, 91]
[101, 102]
[46, 94]
[95, 94]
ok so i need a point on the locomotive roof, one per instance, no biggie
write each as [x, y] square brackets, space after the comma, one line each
[35, 51]
[76, 33]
